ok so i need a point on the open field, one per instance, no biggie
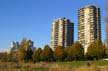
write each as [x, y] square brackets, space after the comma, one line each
[56, 66]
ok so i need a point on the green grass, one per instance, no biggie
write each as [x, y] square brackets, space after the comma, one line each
[83, 63]
[73, 64]
[100, 63]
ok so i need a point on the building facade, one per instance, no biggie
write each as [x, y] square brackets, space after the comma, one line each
[62, 33]
[89, 25]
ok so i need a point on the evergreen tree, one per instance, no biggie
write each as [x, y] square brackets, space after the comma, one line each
[36, 55]
[47, 54]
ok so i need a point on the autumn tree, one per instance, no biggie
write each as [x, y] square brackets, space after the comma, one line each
[47, 54]
[96, 50]
[59, 54]
[36, 55]
[24, 51]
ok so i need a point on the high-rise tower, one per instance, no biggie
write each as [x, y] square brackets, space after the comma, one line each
[62, 33]
[89, 27]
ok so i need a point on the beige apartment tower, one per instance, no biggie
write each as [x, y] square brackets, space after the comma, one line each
[89, 26]
[62, 33]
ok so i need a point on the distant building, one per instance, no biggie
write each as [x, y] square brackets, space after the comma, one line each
[13, 46]
[31, 44]
[62, 33]
[89, 25]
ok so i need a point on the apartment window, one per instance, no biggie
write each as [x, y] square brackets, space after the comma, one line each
[62, 24]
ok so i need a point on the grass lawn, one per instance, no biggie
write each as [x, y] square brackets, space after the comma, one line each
[56, 66]
[83, 63]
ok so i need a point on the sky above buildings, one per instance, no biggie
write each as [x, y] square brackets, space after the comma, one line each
[33, 18]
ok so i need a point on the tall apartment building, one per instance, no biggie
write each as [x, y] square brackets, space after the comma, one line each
[89, 26]
[62, 33]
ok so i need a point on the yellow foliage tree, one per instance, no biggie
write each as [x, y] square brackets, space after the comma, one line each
[24, 51]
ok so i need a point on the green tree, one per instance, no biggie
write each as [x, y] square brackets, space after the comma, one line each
[36, 55]
[68, 53]
[74, 52]
[47, 54]
[96, 50]
[106, 52]
[59, 54]
[78, 51]
[28, 54]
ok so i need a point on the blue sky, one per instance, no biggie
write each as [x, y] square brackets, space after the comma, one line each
[33, 18]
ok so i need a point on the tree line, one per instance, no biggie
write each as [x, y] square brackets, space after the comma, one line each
[75, 52]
